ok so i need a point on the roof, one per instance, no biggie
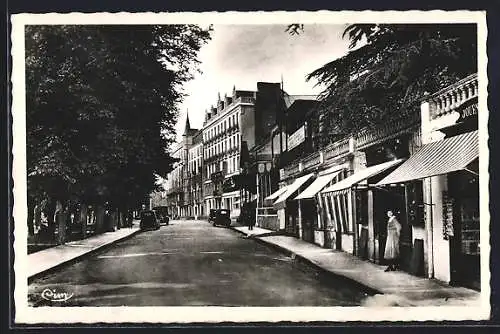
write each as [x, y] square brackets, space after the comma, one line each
[436, 158]
[290, 99]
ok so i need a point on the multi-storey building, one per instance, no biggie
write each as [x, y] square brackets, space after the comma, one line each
[178, 183]
[222, 135]
[174, 183]
[195, 180]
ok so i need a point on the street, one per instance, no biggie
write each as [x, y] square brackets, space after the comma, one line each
[190, 263]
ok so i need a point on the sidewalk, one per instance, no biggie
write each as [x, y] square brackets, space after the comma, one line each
[398, 288]
[42, 261]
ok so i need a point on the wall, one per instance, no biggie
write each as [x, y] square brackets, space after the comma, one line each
[247, 125]
[266, 108]
[441, 247]
[319, 238]
[348, 243]
[281, 219]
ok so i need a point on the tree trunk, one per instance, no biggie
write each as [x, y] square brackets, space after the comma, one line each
[38, 217]
[50, 212]
[99, 212]
[60, 218]
[31, 216]
[121, 221]
[83, 220]
[112, 222]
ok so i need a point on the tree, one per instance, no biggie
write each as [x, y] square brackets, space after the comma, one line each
[101, 106]
[388, 69]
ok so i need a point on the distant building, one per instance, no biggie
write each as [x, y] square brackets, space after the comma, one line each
[222, 135]
[195, 180]
[179, 180]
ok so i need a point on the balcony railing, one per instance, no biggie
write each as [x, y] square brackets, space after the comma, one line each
[312, 160]
[374, 136]
[452, 97]
[291, 169]
[243, 99]
[337, 149]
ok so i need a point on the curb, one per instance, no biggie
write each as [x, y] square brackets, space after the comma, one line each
[79, 257]
[361, 285]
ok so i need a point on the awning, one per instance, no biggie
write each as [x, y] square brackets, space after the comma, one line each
[317, 185]
[276, 194]
[291, 189]
[437, 158]
[362, 175]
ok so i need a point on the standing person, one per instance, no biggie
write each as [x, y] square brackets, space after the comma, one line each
[391, 253]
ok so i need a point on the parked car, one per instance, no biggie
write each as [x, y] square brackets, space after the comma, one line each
[149, 221]
[162, 214]
[219, 217]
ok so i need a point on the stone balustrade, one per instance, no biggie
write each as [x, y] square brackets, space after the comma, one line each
[393, 129]
[312, 160]
[448, 99]
[291, 170]
[337, 149]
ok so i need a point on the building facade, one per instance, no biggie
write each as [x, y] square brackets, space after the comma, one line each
[424, 168]
[179, 183]
[195, 172]
[222, 136]
[447, 171]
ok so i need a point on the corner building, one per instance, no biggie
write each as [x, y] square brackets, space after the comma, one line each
[222, 136]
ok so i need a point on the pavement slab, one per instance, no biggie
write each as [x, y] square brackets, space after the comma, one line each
[405, 289]
[50, 258]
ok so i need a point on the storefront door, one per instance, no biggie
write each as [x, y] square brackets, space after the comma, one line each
[309, 220]
[464, 244]
[292, 213]
[393, 199]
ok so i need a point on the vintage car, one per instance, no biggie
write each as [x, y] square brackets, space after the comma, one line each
[149, 221]
[219, 217]
[162, 214]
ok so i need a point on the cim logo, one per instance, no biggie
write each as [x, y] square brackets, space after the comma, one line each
[56, 296]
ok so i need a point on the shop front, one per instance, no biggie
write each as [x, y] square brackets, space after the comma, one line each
[449, 170]
[315, 225]
[279, 222]
[290, 209]
[356, 216]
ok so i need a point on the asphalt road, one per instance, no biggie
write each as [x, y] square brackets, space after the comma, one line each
[192, 263]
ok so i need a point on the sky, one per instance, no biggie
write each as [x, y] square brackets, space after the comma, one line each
[242, 55]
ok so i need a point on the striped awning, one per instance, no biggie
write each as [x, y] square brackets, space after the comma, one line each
[317, 185]
[437, 158]
[291, 189]
[276, 194]
[348, 182]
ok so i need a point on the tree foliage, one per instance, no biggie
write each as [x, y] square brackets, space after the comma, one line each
[101, 107]
[388, 69]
